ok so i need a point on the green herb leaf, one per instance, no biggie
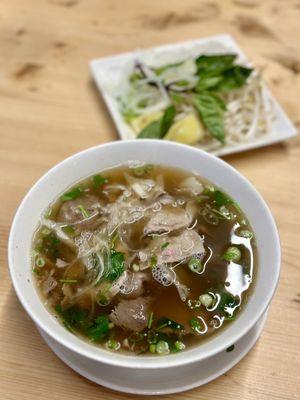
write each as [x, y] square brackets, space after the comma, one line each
[99, 181]
[158, 129]
[168, 323]
[98, 332]
[150, 321]
[49, 245]
[69, 230]
[73, 318]
[215, 64]
[68, 281]
[83, 211]
[221, 199]
[116, 265]
[165, 245]
[208, 82]
[233, 79]
[162, 69]
[233, 253]
[195, 325]
[211, 110]
[72, 194]
[153, 261]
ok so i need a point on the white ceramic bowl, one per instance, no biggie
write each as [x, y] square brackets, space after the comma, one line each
[102, 157]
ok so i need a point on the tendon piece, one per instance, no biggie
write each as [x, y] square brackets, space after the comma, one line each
[141, 187]
[131, 315]
[168, 220]
[191, 185]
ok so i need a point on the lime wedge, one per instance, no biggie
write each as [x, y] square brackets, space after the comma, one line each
[187, 130]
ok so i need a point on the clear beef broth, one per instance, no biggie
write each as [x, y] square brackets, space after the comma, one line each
[144, 259]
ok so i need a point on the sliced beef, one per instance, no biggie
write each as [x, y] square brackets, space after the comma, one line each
[70, 212]
[168, 220]
[171, 249]
[131, 315]
[182, 246]
[133, 286]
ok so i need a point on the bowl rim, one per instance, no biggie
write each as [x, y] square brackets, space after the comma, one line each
[133, 361]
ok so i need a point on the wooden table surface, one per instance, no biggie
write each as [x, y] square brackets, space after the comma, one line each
[49, 109]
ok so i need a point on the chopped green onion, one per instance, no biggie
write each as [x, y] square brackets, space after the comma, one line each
[233, 253]
[68, 281]
[206, 300]
[162, 348]
[196, 326]
[72, 194]
[83, 211]
[195, 265]
[40, 262]
[208, 190]
[135, 267]
[246, 234]
[69, 230]
[99, 181]
[135, 337]
[153, 261]
[230, 348]
[165, 245]
[48, 213]
[46, 232]
[221, 199]
[179, 346]
[102, 300]
[112, 344]
[150, 320]
[142, 170]
[152, 348]
[152, 337]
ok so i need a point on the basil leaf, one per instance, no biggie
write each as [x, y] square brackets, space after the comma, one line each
[215, 64]
[211, 110]
[208, 82]
[158, 129]
[233, 79]
[151, 131]
[167, 120]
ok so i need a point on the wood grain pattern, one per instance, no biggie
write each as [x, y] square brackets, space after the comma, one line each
[49, 109]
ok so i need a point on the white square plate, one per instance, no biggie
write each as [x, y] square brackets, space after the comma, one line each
[109, 71]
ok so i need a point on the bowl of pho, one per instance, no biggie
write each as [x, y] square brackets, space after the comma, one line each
[144, 254]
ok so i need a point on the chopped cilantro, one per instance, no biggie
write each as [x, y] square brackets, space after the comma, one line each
[72, 194]
[116, 265]
[98, 332]
[83, 211]
[99, 181]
